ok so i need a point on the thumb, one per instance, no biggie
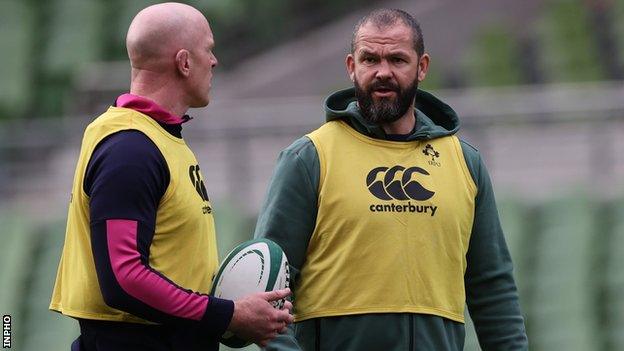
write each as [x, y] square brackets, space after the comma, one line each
[277, 294]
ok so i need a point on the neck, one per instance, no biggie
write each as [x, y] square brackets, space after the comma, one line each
[162, 91]
[403, 125]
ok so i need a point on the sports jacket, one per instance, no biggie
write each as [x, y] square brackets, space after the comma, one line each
[290, 217]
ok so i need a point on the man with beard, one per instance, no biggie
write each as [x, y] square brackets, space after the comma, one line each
[387, 218]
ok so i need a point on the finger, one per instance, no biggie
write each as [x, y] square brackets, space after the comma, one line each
[288, 306]
[277, 294]
[285, 317]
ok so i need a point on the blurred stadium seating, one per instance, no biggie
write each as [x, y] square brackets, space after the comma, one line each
[569, 48]
[613, 305]
[15, 37]
[554, 147]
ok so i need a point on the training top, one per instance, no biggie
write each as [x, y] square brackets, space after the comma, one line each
[388, 235]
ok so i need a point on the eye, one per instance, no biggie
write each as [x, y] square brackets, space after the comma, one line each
[398, 60]
[369, 59]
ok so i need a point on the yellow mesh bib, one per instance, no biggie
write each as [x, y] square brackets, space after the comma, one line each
[393, 226]
[184, 246]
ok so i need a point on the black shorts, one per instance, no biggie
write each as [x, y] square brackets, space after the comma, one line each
[120, 336]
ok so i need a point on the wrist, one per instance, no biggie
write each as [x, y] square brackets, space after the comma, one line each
[218, 315]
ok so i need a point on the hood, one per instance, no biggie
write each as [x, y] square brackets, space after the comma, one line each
[434, 118]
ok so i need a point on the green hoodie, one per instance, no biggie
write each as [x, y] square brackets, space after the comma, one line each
[288, 217]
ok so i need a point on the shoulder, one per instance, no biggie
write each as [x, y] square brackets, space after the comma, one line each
[301, 146]
[128, 145]
[472, 156]
[126, 154]
[468, 149]
[299, 159]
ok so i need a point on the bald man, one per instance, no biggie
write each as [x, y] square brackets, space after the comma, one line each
[140, 248]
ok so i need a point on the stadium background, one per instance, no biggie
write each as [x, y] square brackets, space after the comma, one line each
[538, 86]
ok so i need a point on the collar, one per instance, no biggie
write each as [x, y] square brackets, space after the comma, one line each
[150, 108]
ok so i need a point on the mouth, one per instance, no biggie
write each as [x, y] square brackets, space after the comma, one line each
[384, 92]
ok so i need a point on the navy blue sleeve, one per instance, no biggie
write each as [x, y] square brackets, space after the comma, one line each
[125, 179]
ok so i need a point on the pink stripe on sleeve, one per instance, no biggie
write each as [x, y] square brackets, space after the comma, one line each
[140, 282]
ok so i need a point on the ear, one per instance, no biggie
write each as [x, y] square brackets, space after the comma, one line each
[183, 62]
[350, 63]
[423, 66]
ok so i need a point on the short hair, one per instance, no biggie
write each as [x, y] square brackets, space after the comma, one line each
[383, 18]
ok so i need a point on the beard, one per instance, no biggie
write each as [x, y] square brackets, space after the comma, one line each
[384, 110]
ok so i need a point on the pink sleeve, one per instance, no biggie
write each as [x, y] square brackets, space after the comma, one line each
[143, 283]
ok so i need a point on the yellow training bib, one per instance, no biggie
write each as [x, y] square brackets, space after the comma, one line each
[393, 226]
[183, 247]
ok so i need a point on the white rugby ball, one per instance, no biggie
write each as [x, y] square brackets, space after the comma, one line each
[254, 266]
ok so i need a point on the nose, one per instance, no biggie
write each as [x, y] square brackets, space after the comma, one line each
[383, 71]
[214, 60]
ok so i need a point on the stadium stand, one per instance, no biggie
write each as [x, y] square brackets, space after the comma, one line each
[568, 250]
[52, 329]
[17, 27]
[233, 226]
[514, 217]
[493, 59]
[434, 79]
[613, 303]
[514, 220]
[72, 38]
[601, 17]
[618, 28]
[73, 34]
[17, 251]
[562, 311]
[568, 51]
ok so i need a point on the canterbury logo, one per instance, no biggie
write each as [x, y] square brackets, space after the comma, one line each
[397, 183]
[198, 183]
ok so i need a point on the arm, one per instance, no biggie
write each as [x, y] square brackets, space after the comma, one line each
[491, 293]
[288, 215]
[125, 179]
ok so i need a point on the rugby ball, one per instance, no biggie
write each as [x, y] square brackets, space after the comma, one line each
[254, 266]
